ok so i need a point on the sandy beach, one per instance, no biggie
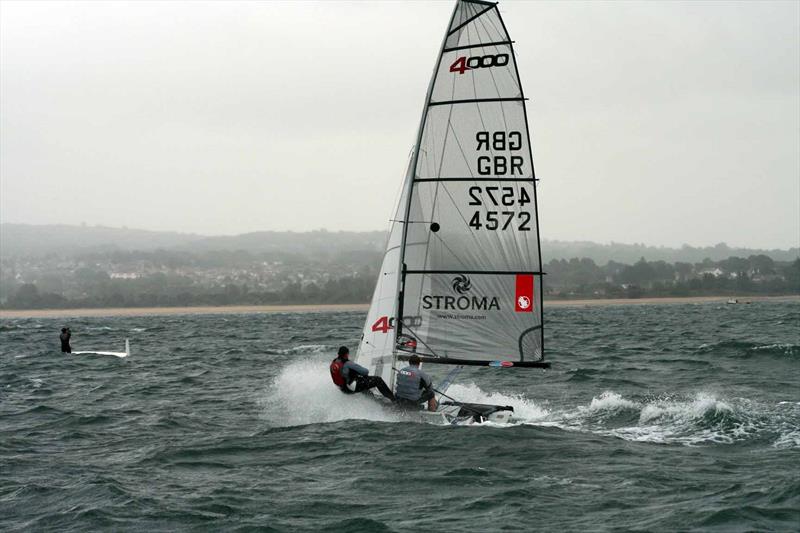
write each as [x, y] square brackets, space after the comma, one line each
[327, 308]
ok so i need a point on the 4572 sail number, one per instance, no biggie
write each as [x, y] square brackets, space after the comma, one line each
[493, 196]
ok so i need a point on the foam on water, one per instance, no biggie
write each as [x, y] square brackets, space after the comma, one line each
[683, 411]
[700, 419]
[305, 349]
[302, 393]
[788, 440]
[610, 401]
[780, 348]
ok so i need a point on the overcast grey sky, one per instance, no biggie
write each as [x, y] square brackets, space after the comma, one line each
[663, 123]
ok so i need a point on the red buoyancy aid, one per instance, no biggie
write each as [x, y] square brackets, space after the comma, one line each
[336, 372]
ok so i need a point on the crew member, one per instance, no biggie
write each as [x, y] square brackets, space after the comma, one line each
[414, 386]
[351, 377]
[65, 335]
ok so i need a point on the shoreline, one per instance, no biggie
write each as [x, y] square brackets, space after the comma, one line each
[329, 308]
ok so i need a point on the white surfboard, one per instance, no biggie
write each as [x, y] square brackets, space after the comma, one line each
[126, 353]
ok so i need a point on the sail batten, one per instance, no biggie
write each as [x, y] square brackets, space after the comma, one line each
[464, 250]
[475, 101]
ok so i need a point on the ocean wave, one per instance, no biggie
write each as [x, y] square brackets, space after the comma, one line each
[788, 440]
[777, 349]
[307, 349]
[701, 419]
[750, 348]
[610, 401]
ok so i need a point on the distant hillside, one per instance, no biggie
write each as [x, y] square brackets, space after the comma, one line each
[288, 241]
[630, 253]
[29, 240]
[25, 239]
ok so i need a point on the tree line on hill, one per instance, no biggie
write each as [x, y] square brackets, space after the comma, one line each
[181, 278]
[757, 274]
[25, 240]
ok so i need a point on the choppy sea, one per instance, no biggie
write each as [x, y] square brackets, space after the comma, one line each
[653, 418]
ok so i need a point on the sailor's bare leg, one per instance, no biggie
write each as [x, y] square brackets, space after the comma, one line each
[432, 404]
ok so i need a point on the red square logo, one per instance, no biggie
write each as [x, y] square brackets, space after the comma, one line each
[523, 300]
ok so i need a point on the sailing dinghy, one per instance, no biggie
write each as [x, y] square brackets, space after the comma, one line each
[461, 281]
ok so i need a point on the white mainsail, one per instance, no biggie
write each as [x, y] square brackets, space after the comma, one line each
[463, 262]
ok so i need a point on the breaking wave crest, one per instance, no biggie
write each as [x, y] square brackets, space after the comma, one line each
[750, 349]
[700, 419]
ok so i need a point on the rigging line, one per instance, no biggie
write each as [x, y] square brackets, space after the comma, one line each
[499, 32]
[452, 252]
[432, 160]
[461, 16]
[413, 169]
[448, 379]
[478, 33]
[438, 171]
[399, 319]
[457, 402]
[441, 164]
[448, 129]
[494, 80]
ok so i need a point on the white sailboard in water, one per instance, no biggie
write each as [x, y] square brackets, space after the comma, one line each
[461, 281]
[126, 353]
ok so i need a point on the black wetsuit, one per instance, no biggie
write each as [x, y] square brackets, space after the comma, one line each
[353, 372]
[65, 347]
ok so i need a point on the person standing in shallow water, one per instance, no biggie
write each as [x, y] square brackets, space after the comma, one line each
[351, 377]
[65, 336]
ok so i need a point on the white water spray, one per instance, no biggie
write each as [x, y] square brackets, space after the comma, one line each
[302, 393]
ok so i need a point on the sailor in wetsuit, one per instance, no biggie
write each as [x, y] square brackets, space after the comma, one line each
[351, 377]
[65, 335]
[414, 386]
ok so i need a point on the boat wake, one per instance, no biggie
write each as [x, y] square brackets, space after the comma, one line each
[302, 394]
